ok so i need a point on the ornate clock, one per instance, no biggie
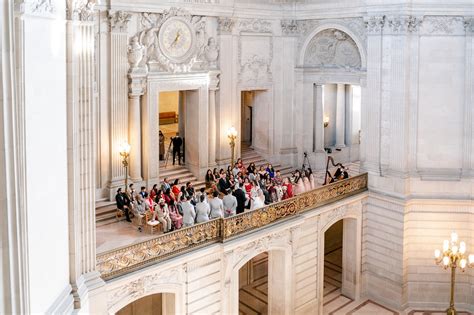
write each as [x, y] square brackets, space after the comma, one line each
[176, 39]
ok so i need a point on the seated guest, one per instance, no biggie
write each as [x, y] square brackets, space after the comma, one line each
[278, 180]
[306, 183]
[262, 173]
[252, 169]
[139, 208]
[165, 185]
[216, 174]
[123, 203]
[154, 191]
[231, 181]
[131, 192]
[149, 201]
[230, 204]
[175, 188]
[210, 179]
[216, 206]
[235, 170]
[241, 166]
[143, 191]
[189, 214]
[270, 171]
[309, 174]
[202, 210]
[162, 214]
[190, 188]
[176, 217]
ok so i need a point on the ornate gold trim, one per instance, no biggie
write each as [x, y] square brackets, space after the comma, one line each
[129, 258]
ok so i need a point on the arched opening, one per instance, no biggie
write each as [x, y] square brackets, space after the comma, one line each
[259, 284]
[253, 286]
[155, 304]
[341, 271]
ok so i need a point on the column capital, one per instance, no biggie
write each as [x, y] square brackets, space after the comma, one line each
[119, 21]
[80, 10]
[136, 84]
[226, 25]
[374, 24]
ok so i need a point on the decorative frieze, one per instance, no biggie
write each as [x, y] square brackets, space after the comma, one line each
[36, 7]
[119, 21]
[443, 25]
[289, 27]
[254, 26]
[375, 24]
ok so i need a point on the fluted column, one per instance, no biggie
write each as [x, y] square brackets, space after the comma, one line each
[134, 136]
[340, 116]
[318, 118]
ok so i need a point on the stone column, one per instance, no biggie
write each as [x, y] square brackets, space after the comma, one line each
[182, 114]
[134, 136]
[118, 95]
[213, 88]
[318, 119]
[340, 115]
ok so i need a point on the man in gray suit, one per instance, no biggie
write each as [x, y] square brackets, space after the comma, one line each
[189, 213]
[230, 204]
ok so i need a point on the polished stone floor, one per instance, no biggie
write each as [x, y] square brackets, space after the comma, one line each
[116, 235]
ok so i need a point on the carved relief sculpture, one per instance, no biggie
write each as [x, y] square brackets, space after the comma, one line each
[333, 48]
[135, 53]
[211, 53]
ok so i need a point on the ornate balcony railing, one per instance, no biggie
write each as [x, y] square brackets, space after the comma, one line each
[129, 258]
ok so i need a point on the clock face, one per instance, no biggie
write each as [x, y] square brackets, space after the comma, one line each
[176, 39]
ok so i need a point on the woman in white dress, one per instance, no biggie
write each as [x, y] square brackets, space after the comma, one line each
[306, 183]
[311, 178]
[259, 200]
[299, 185]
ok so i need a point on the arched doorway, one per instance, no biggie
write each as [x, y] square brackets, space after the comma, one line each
[154, 304]
[253, 286]
[341, 266]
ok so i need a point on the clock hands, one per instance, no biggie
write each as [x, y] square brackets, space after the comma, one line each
[178, 35]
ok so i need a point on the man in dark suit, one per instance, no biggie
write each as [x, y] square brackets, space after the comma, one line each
[123, 203]
[177, 142]
[241, 196]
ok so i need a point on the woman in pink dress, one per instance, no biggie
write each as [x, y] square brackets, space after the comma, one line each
[299, 185]
[307, 184]
[311, 178]
[176, 218]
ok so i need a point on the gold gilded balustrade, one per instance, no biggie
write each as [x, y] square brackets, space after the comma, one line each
[129, 258]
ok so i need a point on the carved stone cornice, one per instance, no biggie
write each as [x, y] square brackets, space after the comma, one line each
[119, 20]
[225, 25]
[36, 7]
[375, 24]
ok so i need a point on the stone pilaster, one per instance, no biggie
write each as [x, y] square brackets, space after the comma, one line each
[318, 119]
[341, 116]
[213, 88]
[81, 151]
[118, 95]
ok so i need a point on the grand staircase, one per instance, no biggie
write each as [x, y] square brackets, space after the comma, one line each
[105, 209]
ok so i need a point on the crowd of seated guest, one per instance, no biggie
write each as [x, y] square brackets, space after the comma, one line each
[226, 193]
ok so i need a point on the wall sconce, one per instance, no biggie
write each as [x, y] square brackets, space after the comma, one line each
[326, 121]
[125, 153]
[232, 135]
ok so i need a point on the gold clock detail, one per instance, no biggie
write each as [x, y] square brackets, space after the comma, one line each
[176, 39]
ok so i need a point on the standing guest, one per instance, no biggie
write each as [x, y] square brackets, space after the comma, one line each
[299, 185]
[202, 210]
[288, 188]
[270, 171]
[222, 185]
[241, 197]
[230, 204]
[311, 178]
[143, 191]
[202, 192]
[189, 214]
[307, 184]
[216, 205]
[162, 145]
[123, 203]
[154, 191]
[259, 200]
[177, 143]
[162, 214]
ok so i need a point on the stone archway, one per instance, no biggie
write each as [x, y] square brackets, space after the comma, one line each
[351, 250]
[279, 252]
